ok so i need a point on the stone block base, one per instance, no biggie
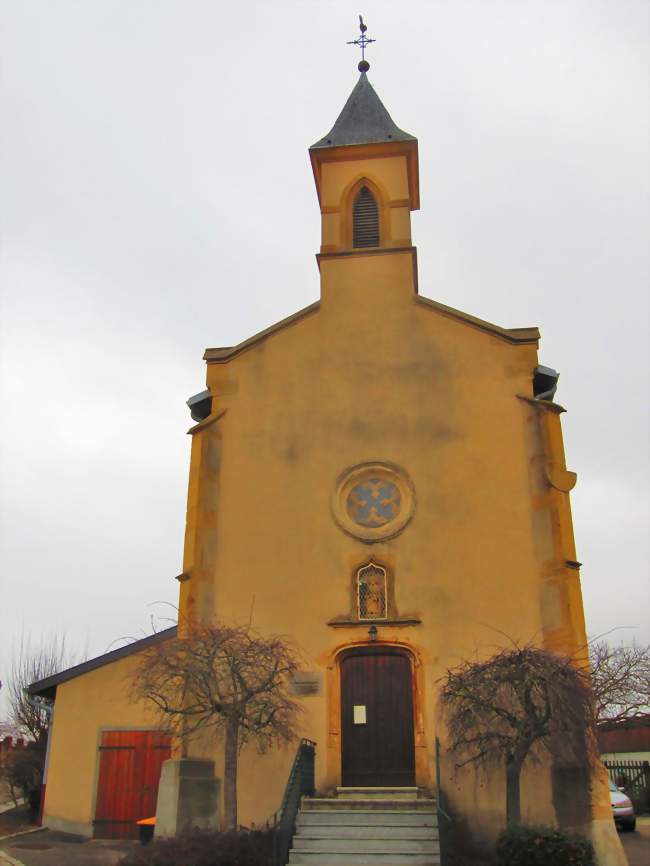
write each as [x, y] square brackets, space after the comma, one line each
[607, 845]
[188, 796]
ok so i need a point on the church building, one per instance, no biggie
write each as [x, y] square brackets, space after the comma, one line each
[381, 478]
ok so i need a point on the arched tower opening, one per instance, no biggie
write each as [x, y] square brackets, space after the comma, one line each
[365, 219]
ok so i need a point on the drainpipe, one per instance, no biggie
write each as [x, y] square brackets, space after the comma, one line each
[48, 709]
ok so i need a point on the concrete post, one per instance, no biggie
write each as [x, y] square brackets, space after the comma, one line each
[188, 796]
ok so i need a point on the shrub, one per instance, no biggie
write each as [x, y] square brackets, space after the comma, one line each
[205, 848]
[23, 772]
[463, 846]
[542, 846]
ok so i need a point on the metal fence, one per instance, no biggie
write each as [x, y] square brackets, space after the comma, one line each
[634, 778]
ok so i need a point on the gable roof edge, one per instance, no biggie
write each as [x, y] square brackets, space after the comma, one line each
[46, 688]
[511, 335]
[220, 355]
[517, 336]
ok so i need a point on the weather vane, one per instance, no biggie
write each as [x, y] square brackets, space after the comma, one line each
[362, 41]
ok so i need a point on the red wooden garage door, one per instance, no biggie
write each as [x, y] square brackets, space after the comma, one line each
[127, 787]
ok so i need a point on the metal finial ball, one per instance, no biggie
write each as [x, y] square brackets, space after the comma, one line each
[364, 66]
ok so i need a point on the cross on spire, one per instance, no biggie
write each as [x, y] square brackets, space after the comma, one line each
[362, 41]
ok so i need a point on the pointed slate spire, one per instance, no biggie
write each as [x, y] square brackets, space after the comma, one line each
[364, 120]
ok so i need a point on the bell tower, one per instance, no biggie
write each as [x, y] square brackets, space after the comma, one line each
[365, 164]
[366, 174]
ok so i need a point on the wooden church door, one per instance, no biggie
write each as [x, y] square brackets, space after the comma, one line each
[378, 748]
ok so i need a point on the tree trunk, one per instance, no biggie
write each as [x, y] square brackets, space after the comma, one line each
[513, 794]
[230, 776]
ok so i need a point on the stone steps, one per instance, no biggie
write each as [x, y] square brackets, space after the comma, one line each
[355, 858]
[358, 793]
[323, 803]
[363, 831]
[367, 827]
[366, 844]
[367, 817]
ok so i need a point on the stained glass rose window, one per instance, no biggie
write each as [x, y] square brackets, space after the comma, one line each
[373, 501]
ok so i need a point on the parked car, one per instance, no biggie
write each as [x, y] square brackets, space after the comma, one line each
[622, 807]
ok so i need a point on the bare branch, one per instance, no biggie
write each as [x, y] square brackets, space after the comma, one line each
[514, 701]
[30, 663]
[506, 709]
[226, 679]
[621, 680]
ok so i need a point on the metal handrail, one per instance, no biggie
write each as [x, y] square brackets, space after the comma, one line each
[299, 784]
[442, 832]
[439, 793]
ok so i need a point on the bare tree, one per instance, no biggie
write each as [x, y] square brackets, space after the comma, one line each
[503, 709]
[228, 680]
[621, 680]
[29, 716]
[32, 662]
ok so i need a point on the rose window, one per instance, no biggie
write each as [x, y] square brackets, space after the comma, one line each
[374, 502]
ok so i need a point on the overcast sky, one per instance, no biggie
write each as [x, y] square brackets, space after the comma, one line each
[157, 198]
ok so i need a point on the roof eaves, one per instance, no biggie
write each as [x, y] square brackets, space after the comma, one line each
[47, 687]
[360, 138]
[634, 722]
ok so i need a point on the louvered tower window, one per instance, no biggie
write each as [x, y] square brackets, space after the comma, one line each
[365, 220]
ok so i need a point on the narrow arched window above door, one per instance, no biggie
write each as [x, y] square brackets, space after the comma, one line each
[365, 220]
[372, 602]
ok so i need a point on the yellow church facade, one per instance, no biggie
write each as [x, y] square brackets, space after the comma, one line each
[382, 479]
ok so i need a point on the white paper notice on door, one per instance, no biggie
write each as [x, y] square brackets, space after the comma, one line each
[359, 714]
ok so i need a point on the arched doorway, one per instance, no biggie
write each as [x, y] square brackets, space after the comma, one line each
[377, 732]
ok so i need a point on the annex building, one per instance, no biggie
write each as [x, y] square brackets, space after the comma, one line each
[385, 477]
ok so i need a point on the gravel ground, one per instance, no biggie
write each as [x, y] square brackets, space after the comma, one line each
[15, 820]
[50, 848]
